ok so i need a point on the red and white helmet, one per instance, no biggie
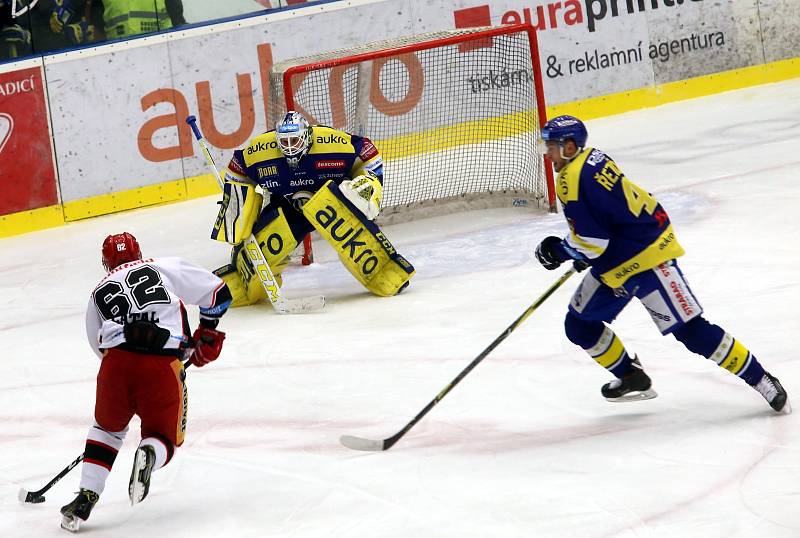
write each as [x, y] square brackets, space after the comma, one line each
[119, 249]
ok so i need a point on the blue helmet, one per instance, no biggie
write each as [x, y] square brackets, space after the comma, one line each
[562, 128]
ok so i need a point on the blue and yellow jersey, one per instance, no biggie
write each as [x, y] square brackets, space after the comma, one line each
[333, 154]
[620, 227]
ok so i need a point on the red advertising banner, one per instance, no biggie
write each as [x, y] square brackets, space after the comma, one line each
[27, 173]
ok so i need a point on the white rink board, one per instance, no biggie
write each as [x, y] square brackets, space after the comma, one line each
[96, 98]
[525, 446]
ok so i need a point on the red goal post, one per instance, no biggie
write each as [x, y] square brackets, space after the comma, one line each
[456, 115]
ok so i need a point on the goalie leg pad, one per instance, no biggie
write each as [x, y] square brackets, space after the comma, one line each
[237, 213]
[277, 240]
[236, 285]
[362, 246]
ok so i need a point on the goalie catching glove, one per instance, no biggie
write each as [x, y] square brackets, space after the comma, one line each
[365, 192]
[207, 345]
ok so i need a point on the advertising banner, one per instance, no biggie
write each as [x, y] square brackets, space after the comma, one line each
[118, 116]
[206, 10]
[27, 173]
[780, 28]
[97, 105]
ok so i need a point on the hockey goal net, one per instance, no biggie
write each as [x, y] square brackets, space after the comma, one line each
[455, 114]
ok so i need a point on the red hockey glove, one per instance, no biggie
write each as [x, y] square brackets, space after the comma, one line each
[207, 345]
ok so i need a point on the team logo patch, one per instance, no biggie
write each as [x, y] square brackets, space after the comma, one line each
[327, 165]
[368, 150]
[236, 166]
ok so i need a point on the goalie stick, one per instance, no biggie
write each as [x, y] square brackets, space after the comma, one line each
[360, 443]
[282, 304]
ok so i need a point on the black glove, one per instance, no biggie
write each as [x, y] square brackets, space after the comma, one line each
[551, 253]
[580, 265]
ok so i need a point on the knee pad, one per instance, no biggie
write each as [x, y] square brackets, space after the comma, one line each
[276, 237]
[581, 332]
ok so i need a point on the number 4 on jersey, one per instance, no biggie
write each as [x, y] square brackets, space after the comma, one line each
[638, 198]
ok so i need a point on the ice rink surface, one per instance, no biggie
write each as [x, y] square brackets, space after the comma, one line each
[525, 446]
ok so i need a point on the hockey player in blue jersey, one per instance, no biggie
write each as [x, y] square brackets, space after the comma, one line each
[625, 236]
[314, 178]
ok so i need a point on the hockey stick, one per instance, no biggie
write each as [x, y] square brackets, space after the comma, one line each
[282, 305]
[35, 497]
[360, 443]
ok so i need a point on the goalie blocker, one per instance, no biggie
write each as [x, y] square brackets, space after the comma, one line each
[361, 245]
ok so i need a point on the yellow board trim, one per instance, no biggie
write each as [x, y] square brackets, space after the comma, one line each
[200, 186]
[149, 195]
[115, 202]
[31, 221]
[596, 107]
[617, 103]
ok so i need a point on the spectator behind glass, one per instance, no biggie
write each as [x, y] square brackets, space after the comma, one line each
[69, 20]
[15, 40]
[52, 25]
[114, 19]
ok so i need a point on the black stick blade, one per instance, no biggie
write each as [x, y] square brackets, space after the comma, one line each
[359, 443]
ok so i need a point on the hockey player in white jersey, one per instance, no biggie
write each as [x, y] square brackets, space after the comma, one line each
[137, 324]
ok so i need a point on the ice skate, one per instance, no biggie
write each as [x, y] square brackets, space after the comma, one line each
[76, 512]
[633, 386]
[143, 464]
[771, 389]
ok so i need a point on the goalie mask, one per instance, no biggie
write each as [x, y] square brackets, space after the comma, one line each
[293, 134]
[119, 249]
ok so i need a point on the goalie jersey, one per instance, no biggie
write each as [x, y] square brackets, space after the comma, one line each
[153, 290]
[333, 155]
[620, 228]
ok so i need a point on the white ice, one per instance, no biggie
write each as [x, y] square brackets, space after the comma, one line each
[524, 446]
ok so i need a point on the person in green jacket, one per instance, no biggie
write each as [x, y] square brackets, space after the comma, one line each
[86, 21]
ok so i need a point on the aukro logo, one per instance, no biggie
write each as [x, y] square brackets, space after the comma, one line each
[201, 101]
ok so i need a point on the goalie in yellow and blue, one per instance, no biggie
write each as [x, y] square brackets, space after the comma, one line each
[625, 237]
[313, 178]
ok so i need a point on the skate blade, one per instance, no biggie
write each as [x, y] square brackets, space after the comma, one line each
[136, 491]
[71, 523]
[635, 396]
